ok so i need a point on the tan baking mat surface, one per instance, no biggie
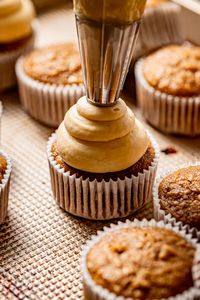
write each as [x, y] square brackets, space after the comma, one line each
[40, 243]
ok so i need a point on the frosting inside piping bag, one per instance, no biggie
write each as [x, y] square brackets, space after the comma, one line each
[101, 139]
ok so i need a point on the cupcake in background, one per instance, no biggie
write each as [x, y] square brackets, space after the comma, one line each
[102, 161]
[17, 35]
[161, 25]
[50, 82]
[177, 196]
[168, 89]
[5, 174]
[141, 260]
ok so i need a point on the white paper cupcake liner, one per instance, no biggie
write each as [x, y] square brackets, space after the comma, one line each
[159, 213]
[171, 114]
[46, 103]
[4, 188]
[96, 292]
[8, 60]
[101, 200]
[161, 25]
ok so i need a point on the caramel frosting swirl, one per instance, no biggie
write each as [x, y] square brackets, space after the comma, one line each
[101, 139]
[15, 19]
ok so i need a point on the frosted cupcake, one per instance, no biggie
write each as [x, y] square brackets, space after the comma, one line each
[102, 161]
[5, 173]
[50, 82]
[161, 25]
[177, 196]
[141, 260]
[17, 36]
[168, 89]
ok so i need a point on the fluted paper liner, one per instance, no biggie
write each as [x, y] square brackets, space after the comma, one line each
[94, 291]
[45, 102]
[8, 60]
[161, 214]
[4, 188]
[161, 25]
[171, 114]
[101, 200]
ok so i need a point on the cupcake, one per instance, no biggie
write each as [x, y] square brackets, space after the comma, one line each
[50, 81]
[177, 196]
[17, 34]
[168, 90]
[5, 173]
[161, 25]
[102, 161]
[141, 260]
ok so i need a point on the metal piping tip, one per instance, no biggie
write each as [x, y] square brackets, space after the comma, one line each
[101, 104]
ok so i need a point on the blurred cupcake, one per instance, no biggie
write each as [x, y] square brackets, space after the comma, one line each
[5, 173]
[161, 25]
[17, 34]
[102, 162]
[141, 260]
[50, 82]
[168, 89]
[177, 196]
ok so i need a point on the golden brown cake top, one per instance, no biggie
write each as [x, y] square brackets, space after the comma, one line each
[3, 166]
[179, 195]
[57, 64]
[174, 70]
[142, 263]
[153, 3]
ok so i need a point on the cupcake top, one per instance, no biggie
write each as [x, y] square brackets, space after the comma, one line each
[153, 3]
[179, 195]
[57, 64]
[142, 263]
[110, 10]
[16, 18]
[174, 70]
[101, 139]
[3, 166]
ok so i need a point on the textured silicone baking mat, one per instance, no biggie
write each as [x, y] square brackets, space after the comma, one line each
[39, 243]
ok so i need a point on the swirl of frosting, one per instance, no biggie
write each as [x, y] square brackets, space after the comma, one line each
[101, 139]
[15, 19]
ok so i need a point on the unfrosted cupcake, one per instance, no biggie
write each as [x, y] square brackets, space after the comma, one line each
[5, 173]
[161, 25]
[168, 89]
[177, 196]
[102, 161]
[141, 260]
[50, 82]
[17, 35]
